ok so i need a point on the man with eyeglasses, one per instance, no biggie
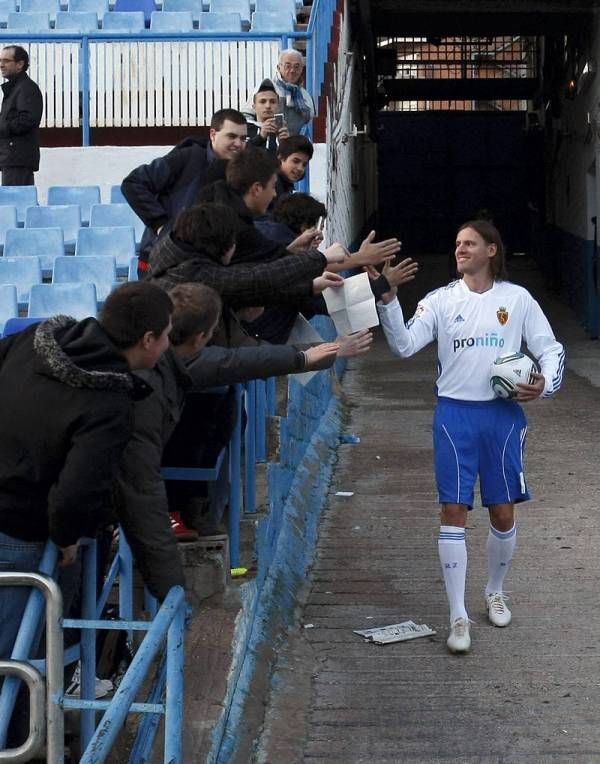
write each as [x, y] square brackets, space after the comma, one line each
[20, 118]
[296, 102]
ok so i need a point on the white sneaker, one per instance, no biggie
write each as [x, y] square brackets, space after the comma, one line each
[497, 611]
[459, 639]
[102, 687]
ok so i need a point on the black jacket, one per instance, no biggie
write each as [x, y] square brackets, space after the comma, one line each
[240, 285]
[142, 505]
[158, 191]
[252, 245]
[20, 117]
[66, 416]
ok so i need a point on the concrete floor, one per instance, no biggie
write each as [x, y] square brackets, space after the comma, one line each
[528, 693]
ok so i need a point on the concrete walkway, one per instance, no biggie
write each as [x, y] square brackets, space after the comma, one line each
[529, 693]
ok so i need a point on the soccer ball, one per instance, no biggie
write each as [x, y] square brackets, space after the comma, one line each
[508, 370]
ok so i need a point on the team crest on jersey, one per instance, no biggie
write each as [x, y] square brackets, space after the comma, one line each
[502, 315]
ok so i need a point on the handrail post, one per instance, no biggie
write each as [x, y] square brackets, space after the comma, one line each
[174, 691]
[25, 638]
[235, 476]
[85, 90]
[54, 661]
[35, 682]
[261, 420]
[250, 449]
[88, 643]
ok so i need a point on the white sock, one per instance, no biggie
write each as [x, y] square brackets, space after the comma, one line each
[453, 558]
[500, 548]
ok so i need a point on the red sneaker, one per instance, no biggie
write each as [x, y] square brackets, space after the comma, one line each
[181, 531]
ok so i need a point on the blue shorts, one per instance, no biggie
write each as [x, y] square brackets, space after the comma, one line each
[479, 438]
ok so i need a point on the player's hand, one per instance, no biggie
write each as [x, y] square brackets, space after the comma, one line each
[371, 253]
[68, 554]
[326, 280]
[356, 343]
[309, 239]
[321, 356]
[336, 253]
[402, 273]
[531, 392]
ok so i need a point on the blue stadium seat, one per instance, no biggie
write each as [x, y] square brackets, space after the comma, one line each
[133, 270]
[232, 6]
[99, 7]
[116, 195]
[100, 271]
[15, 325]
[20, 197]
[276, 6]
[118, 242]
[84, 196]
[127, 21]
[32, 23]
[265, 21]
[146, 6]
[177, 21]
[76, 300]
[220, 22]
[51, 7]
[23, 272]
[195, 6]
[81, 22]
[45, 243]
[8, 303]
[117, 215]
[6, 7]
[65, 216]
[8, 219]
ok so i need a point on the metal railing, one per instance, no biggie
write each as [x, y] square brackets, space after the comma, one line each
[96, 741]
[106, 79]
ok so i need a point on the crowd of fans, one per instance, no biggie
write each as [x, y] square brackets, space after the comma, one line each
[231, 256]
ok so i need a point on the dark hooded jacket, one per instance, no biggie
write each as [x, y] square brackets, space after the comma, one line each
[142, 505]
[20, 118]
[286, 279]
[252, 245]
[158, 191]
[66, 416]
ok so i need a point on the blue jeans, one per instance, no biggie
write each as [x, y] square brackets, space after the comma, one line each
[22, 556]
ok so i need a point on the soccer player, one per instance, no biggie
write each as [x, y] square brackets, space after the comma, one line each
[475, 319]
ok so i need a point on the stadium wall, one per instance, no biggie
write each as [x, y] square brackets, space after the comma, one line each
[569, 256]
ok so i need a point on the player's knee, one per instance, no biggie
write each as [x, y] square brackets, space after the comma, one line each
[453, 514]
[502, 517]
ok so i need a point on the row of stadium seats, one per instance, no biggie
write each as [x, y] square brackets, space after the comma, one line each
[65, 221]
[49, 243]
[101, 270]
[23, 197]
[135, 15]
[175, 22]
[70, 299]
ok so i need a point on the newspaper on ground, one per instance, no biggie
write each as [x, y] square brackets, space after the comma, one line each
[396, 632]
[304, 333]
[352, 305]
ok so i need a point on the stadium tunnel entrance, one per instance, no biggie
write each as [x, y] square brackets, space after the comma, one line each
[487, 108]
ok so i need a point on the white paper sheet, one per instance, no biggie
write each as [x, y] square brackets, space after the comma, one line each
[352, 305]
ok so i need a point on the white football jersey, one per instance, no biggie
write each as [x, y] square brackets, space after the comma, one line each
[472, 330]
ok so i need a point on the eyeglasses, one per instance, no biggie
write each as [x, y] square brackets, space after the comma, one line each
[292, 67]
